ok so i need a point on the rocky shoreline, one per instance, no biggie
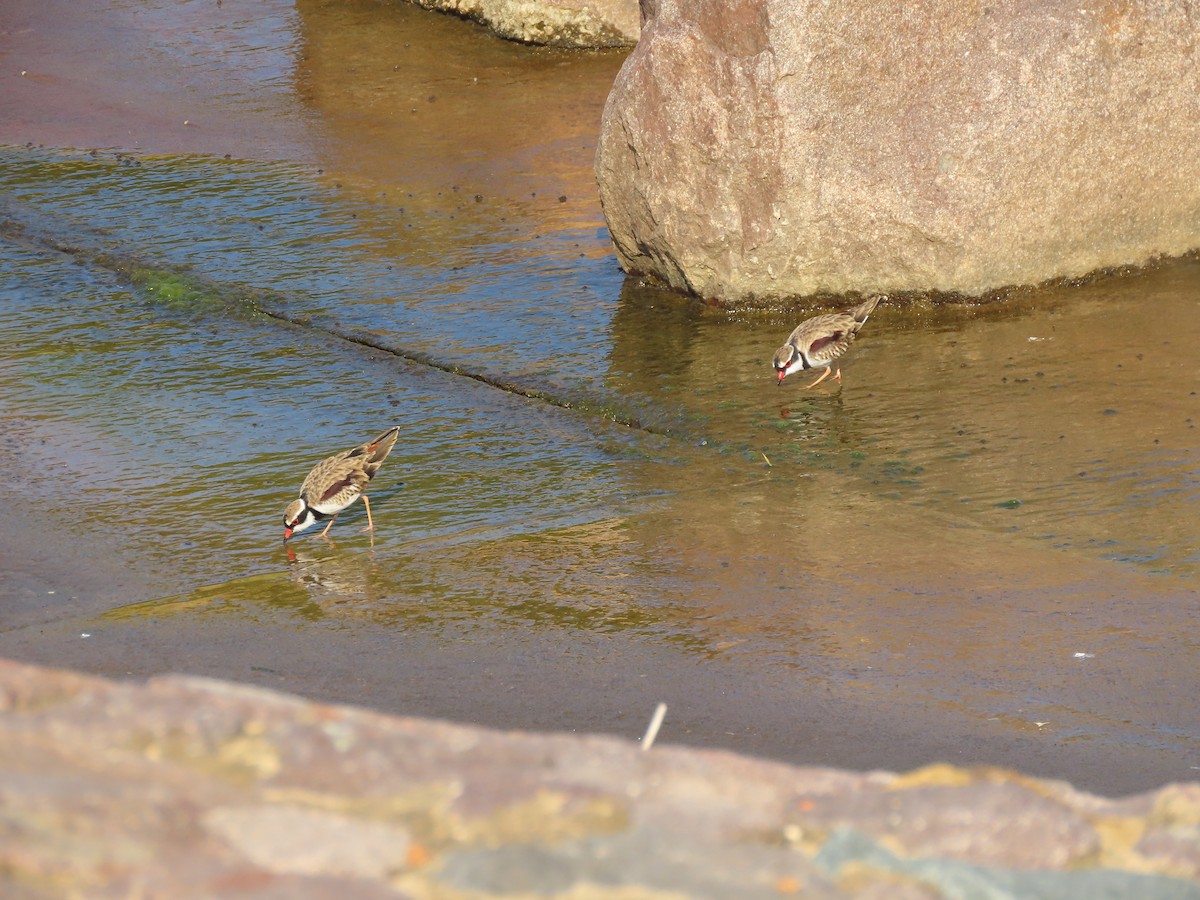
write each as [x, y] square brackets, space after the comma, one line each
[188, 787]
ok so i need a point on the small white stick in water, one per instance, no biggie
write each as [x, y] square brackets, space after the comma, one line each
[660, 712]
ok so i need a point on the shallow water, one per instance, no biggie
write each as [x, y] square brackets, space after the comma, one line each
[981, 547]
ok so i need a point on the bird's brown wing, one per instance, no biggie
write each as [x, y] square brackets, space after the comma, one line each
[828, 337]
[338, 480]
[351, 484]
[830, 346]
[335, 482]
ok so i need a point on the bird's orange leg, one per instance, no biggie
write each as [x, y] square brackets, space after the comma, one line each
[824, 375]
[330, 525]
[837, 376]
[370, 524]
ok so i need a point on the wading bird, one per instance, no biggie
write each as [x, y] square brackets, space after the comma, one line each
[337, 482]
[817, 342]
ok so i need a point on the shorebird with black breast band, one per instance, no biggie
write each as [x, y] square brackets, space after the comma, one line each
[817, 342]
[335, 483]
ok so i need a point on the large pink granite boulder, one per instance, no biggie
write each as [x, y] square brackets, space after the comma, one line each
[754, 150]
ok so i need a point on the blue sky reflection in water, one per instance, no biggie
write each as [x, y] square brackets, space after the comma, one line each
[900, 570]
[221, 219]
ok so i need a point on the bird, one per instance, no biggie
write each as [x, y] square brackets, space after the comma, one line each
[335, 483]
[817, 342]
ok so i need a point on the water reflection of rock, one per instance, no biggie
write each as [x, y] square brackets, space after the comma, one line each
[875, 567]
[421, 112]
[1015, 416]
[700, 367]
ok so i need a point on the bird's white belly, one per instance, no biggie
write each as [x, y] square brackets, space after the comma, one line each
[330, 508]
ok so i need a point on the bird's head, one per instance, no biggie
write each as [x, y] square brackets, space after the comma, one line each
[296, 518]
[787, 360]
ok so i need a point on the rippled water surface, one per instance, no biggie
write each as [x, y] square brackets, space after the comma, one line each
[981, 547]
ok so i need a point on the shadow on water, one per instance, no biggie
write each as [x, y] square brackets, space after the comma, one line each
[982, 546]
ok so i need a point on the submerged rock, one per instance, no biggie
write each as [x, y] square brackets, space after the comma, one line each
[764, 149]
[188, 787]
[557, 23]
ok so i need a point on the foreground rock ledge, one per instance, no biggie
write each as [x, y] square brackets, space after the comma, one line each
[185, 787]
[757, 150]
